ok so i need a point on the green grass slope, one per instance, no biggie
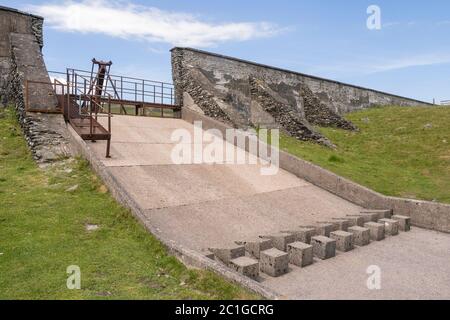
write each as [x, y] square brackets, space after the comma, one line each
[399, 151]
[43, 231]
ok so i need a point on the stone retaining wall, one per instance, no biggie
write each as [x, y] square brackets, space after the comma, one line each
[21, 59]
[245, 94]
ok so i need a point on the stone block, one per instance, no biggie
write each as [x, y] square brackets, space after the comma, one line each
[361, 236]
[323, 247]
[274, 262]
[300, 254]
[229, 253]
[255, 246]
[390, 226]
[304, 234]
[344, 240]
[374, 216]
[366, 218]
[356, 220]
[324, 229]
[246, 266]
[403, 221]
[343, 224]
[381, 213]
[281, 240]
[377, 230]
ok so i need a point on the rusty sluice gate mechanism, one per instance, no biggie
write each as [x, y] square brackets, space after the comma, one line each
[87, 96]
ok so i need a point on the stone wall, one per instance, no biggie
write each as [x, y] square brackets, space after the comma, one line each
[21, 41]
[248, 94]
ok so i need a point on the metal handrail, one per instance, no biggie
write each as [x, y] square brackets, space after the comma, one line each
[127, 88]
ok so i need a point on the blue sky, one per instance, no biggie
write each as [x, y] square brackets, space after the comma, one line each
[409, 55]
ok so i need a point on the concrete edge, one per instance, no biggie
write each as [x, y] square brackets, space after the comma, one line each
[186, 256]
[424, 214]
[3, 8]
[299, 73]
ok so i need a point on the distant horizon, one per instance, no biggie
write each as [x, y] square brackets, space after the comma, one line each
[404, 57]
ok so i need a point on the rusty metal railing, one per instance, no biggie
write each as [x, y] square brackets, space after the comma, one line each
[141, 94]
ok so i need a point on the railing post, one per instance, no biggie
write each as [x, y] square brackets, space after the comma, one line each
[121, 87]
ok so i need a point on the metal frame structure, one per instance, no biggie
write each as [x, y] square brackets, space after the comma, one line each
[88, 95]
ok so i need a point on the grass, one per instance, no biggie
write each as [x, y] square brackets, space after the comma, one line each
[399, 151]
[43, 231]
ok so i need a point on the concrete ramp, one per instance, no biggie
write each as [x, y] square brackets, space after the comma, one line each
[290, 236]
[203, 205]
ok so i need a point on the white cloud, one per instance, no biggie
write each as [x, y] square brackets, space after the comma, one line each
[410, 61]
[368, 65]
[129, 21]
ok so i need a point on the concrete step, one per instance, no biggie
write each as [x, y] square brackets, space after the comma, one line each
[246, 266]
[274, 262]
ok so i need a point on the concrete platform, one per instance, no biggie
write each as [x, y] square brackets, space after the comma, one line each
[203, 206]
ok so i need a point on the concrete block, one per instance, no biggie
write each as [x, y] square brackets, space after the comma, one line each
[377, 230]
[403, 221]
[246, 266]
[344, 240]
[356, 220]
[350, 222]
[228, 253]
[366, 218]
[390, 226]
[335, 224]
[255, 246]
[381, 213]
[361, 236]
[300, 254]
[374, 216]
[324, 229]
[323, 247]
[304, 234]
[281, 240]
[342, 224]
[274, 262]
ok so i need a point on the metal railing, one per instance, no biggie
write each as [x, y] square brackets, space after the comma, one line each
[123, 88]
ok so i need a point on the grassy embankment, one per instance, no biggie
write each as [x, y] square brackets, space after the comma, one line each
[399, 151]
[43, 230]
